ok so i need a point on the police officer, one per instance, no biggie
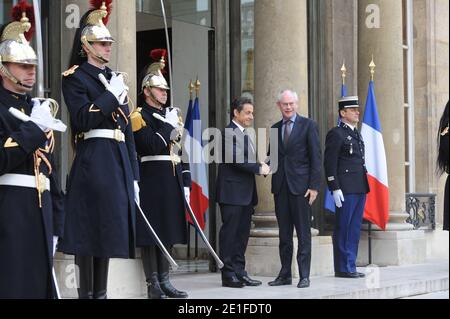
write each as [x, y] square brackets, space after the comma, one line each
[31, 201]
[101, 189]
[347, 179]
[165, 180]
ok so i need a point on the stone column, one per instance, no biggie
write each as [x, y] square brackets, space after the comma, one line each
[281, 62]
[381, 35]
[122, 26]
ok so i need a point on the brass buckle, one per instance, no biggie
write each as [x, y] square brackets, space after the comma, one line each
[118, 136]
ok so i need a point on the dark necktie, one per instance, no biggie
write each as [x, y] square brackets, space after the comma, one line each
[287, 132]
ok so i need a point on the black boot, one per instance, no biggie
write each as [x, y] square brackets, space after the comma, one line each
[154, 290]
[164, 282]
[101, 268]
[85, 275]
[150, 269]
[168, 289]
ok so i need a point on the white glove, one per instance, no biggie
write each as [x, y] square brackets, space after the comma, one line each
[136, 193]
[338, 198]
[41, 114]
[55, 244]
[187, 194]
[116, 86]
[171, 117]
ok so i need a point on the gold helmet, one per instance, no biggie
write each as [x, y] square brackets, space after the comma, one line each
[94, 28]
[14, 45]
[154, 77]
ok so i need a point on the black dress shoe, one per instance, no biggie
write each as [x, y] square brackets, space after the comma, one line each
[303, 283]
[361, 275]
[246, 280]
[347, 275]
[281, 282]
[232, 282]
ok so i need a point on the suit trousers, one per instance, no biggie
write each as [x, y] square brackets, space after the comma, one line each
[347, 232]
[293, 211]
[233, 239]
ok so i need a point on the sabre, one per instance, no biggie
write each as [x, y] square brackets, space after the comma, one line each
[157, 240]
[169, 54]
[191, 213]
[55, 282]
[202, 235]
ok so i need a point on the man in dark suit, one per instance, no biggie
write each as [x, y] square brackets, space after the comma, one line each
[295, 186]
[236, 194]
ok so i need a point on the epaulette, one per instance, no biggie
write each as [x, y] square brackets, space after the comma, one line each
[70, 71]
[137, 122]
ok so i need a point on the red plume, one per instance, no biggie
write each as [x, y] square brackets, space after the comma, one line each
[97, 4]
[16, 14]
[157, 54]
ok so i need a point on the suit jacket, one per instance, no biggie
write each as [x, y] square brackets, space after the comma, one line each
[300, 162]
[345, 166]
[236, 183]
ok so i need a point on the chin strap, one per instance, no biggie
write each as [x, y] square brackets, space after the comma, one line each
[91, 49]
[4, 70]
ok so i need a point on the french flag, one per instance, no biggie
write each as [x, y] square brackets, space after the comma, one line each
[193, 144]
[377, 205]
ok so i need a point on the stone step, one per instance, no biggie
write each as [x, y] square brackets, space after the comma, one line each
[126, 281]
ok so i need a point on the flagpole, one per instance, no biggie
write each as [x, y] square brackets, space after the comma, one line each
[372, 67]
[191, 90]
[197, 86]
[344, 73]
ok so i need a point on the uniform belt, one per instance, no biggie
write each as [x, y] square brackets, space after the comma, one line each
[163, 158]
[116, 135]
[28, 181]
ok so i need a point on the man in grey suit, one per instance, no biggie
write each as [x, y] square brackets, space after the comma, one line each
[295, 186]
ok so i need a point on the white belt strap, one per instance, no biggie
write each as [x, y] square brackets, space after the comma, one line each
[163, 158]
[19, 180]
[116, 135]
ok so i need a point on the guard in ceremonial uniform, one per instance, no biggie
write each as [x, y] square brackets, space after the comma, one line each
[102, 185]
[31, 201]
[165, 180]
[347, 178]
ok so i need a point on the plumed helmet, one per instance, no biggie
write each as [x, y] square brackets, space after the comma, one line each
[154, 77]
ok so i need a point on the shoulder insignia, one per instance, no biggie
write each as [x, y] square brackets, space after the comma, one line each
[137, 122]
[10, 143]
[70, 71]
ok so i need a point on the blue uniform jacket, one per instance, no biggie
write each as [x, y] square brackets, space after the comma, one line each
[100, 207]
[345, 167]
[26, 230]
